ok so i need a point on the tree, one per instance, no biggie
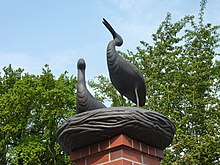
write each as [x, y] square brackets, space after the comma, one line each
[181, 71]
[31, 110]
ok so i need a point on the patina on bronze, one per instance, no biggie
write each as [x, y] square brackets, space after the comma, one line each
[89, 127]
[125, 76]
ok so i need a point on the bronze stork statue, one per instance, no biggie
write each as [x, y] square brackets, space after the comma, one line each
[84, 100]
[125, 77]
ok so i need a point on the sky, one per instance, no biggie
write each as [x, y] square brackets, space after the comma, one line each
[58, 33]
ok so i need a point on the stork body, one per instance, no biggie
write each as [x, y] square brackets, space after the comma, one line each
[84, 99]
[125, 77]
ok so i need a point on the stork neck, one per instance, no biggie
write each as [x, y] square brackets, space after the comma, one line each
[81, 76]
[112, 43]
[111, 52]
[111, 48]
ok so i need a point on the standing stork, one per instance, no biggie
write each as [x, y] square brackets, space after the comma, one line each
[84, 100]
[125, 77]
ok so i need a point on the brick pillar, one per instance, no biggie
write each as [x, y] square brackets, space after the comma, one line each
[119, 150]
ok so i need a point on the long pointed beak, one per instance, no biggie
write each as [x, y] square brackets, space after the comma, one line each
[109, 27]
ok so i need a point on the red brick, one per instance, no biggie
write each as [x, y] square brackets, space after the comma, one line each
[141, 144]
[94, 160]
[93, 149]
[149, 160]
[84, 152]
[116, 141]
[159, 153]
[132, 155]
[136, 145]
[126, 162]
[80, 162]
[104, 145]
[152, 150]
[119, 162]
[144, 148]
[116, 154]
[120, 140]
[120, 150]
[127, 141]
[75, 155]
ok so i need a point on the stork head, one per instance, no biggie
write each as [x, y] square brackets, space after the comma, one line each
[81, 64]
[117, 38]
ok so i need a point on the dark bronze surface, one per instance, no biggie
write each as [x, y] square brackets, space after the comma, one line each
[125, 77]
[84, 100]
[90, 127]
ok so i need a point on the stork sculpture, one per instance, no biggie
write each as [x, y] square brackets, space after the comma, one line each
[84, 99]
[125, 77]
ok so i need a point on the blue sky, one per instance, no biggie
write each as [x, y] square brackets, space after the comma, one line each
[58, 33]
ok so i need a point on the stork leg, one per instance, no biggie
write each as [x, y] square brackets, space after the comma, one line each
[137, 98]
[123, 100]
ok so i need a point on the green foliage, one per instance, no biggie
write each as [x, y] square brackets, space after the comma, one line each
[181, 70]
[31, 110]
[105, 91]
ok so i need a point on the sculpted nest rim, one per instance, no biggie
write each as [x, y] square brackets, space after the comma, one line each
[91, 127]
